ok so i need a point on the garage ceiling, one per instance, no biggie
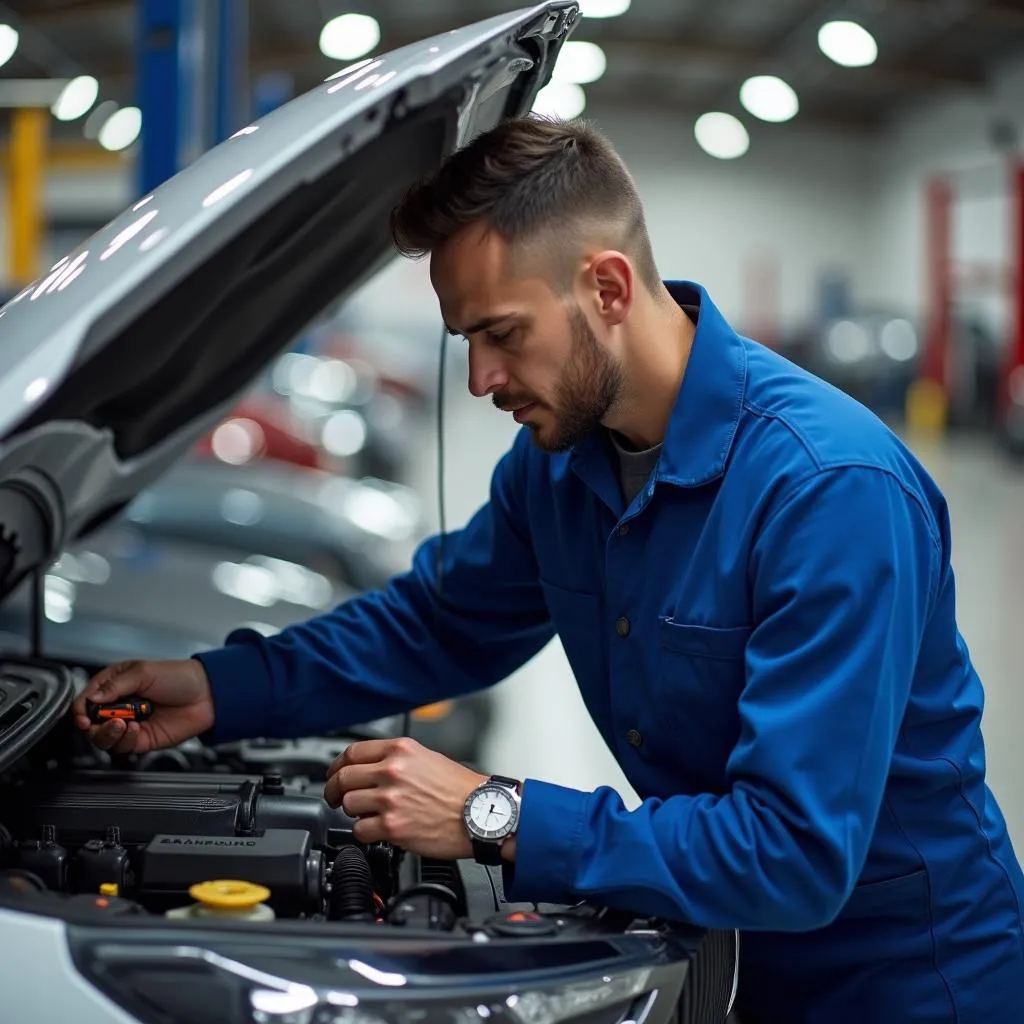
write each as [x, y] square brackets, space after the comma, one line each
[684, 56]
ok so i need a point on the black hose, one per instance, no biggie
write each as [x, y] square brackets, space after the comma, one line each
[351, 887]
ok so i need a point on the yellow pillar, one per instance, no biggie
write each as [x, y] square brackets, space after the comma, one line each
[29, 129]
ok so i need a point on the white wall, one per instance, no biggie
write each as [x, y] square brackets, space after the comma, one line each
[796, 198]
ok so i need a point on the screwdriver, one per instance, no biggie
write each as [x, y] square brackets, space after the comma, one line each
[132, 709]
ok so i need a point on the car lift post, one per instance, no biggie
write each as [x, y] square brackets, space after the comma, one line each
[192, 58]
[1012, 391]
[928, 398]
[30, 129]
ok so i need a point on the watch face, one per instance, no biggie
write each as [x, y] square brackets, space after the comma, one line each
[491, 812]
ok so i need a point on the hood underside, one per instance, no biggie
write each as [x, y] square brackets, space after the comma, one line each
[134, 345]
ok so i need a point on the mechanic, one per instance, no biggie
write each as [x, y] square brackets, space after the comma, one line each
[750, 575]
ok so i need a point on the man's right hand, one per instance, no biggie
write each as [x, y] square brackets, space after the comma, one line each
[178, 690]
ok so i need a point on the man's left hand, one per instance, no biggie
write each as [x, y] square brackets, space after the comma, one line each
[403, 793]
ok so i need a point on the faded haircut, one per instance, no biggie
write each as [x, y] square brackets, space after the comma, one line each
[544, 186]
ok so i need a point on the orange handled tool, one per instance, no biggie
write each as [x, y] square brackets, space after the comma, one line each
[131, 710]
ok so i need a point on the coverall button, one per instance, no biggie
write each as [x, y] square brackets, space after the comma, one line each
[623, 529]
[622, 626]
[633, 738]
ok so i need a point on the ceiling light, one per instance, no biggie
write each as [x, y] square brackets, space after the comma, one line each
[349, 36]
[8, 43]
[721, 135]
[769, 98]
[563, 100]
[580, 63]
[121, 129]
[848, 44]
[76, 98]
[603, 8]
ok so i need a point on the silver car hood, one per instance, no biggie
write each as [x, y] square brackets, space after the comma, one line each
[134, 345]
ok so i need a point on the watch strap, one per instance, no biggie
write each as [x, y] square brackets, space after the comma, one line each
[487, 853]
[504, 780]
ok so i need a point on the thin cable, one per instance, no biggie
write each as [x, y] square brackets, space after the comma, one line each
[440, 459]
[439, 566]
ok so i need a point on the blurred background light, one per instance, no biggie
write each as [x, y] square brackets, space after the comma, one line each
[8, 43]
[564, 100]
[848, 44]
[121, 129]
[769, 98]
[721, 135]
[603, 8]
[349, 36]
[76, 98]
[580, 63]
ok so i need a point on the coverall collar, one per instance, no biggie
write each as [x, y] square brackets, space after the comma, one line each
[705, 415]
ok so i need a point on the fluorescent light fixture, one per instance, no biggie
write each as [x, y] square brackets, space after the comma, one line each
[603, 8]
[563, 100]
[769, 98]
[8, 43]
[349, 36]
[76, 98]
[580, 63]
[848, 44]
[121, 129]
[721, 135]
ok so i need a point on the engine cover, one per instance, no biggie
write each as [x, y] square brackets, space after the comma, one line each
[144, 804]
[283, 860]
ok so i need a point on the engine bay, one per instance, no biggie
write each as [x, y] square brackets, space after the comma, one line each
[241, 833]
[234, 835]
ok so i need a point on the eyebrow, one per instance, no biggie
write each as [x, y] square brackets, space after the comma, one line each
[480, 325]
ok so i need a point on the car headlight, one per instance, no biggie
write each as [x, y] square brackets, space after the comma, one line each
[572, 1001]
[191, 984]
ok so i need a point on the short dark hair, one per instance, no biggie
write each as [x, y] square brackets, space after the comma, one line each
[529, 179]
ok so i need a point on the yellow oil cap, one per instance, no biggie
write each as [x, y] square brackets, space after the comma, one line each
[228, 894]
[109, 889]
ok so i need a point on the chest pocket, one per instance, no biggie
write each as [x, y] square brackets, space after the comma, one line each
[693, 711]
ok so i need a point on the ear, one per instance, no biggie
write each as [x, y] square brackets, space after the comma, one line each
[611, 282]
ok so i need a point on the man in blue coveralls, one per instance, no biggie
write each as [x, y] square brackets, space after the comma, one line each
[750, 575]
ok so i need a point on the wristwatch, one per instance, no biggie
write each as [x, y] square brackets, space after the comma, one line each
[491, 814]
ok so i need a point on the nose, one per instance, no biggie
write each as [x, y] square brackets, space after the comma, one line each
[487, 373]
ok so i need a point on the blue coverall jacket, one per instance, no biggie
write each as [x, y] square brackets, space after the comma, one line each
[766, 638]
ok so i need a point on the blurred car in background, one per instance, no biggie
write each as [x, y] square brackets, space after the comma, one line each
[254, 432]
[871, 355]
[876, 355]
[319, 411]
[359, 532]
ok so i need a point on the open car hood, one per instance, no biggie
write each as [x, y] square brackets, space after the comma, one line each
[133, 346]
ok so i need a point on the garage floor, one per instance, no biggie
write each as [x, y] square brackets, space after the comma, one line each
[543, 730]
